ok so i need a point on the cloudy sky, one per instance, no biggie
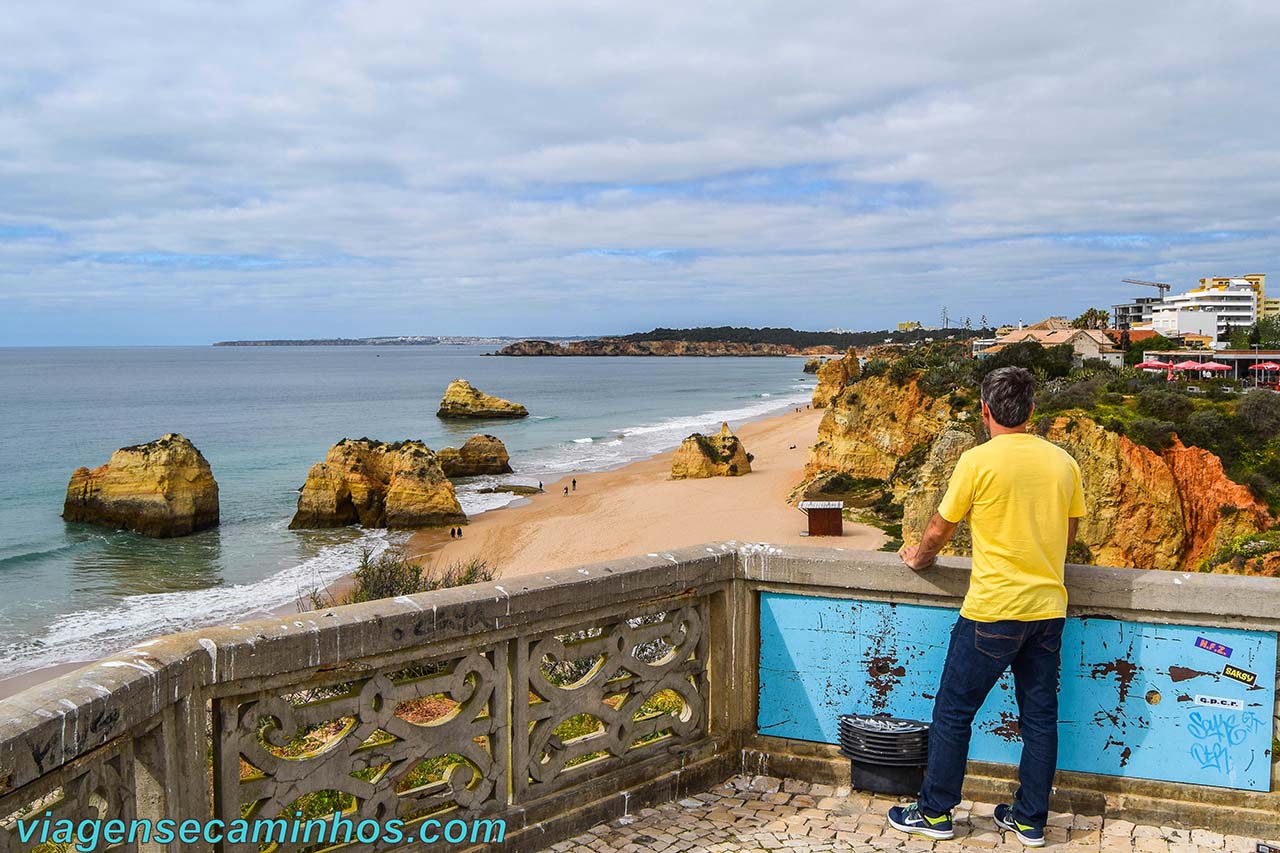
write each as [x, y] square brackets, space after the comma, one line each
[187, 172]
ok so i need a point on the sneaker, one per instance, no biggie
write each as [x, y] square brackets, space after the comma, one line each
[911, 820]
[1030, 836]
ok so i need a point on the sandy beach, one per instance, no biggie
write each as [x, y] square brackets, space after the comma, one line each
[635, 509]
[638, 509]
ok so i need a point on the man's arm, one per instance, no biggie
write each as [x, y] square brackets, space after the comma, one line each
[1073, 525]
[936, 535]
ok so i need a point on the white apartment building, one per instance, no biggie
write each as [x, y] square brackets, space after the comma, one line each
[1233, 300]
[1172, 321]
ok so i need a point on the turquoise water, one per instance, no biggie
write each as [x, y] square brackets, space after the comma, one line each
[262, 417]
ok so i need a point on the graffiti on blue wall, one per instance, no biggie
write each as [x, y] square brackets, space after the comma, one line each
[1168, 702]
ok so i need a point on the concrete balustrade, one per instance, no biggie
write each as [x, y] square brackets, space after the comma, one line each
[551, 701]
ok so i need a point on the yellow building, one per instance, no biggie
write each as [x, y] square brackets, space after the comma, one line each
[1257, 280]
[909, 326]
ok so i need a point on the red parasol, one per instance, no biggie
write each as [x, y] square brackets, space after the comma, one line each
[1189, 365]
[1153, 365]
[1266, 365]
[1214, 365]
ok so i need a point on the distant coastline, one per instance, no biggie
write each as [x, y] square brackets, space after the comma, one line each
[386, 341]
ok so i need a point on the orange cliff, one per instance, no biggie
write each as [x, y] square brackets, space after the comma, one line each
[1144, 509]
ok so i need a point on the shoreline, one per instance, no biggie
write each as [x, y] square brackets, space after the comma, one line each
[644, 511]
[636, 502]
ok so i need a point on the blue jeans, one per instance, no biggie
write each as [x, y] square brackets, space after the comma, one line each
[979, 653]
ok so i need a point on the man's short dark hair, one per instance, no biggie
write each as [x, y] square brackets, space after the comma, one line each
[1009, 393]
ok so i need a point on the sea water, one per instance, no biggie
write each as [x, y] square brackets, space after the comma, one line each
[262, 416]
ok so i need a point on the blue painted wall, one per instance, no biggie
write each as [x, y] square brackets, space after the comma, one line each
[1138, 700]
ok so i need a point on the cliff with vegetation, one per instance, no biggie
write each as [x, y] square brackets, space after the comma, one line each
[367, 482]
[161, 489]
[834, 376]
[1155, 499]
[619, 346]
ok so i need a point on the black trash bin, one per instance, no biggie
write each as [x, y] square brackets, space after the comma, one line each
[887, 755]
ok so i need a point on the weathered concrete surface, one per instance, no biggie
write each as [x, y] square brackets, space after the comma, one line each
[146, 709]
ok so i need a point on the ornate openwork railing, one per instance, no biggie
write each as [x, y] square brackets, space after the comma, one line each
[549, 702]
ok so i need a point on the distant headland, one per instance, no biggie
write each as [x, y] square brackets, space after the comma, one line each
[385, 341]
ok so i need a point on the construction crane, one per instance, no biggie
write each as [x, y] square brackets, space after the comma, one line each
[1163, 287]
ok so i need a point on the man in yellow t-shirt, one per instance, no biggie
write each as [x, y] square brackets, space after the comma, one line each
[1024, 499]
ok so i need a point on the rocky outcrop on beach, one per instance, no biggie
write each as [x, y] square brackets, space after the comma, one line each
[480, 454]
[162, 488]
[617, 347]
[720, 455]
[1144, 509]
[813, 364]
[367, 482]
[462, 400]
[834, 376]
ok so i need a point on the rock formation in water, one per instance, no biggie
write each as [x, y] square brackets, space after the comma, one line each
[719, 455]
[834, 376]
[163, 488]
[373, 484]
[813, 364]
[480, 454]
[1144, 509]
[461, 400]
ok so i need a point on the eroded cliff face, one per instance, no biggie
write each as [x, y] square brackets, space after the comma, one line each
[925, 489]
[1143, 509]
[162, 488]
[833, 376]
[872, 424]
[480, 454]
[1133, 513]
[720, 455]
[462, 400]
[1215, 509]
[374, 484]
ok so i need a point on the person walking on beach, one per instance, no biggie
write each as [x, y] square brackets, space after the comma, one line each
[1024, 500]
[575, 484]
[566, 491]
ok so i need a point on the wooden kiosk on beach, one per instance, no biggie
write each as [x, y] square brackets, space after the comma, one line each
[826, 518]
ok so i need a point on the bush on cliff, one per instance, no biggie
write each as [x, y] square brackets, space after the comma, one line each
[1164, 405]
[1258, 413]
[1152, 433]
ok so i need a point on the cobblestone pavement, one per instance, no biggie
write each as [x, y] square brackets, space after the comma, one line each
[763, 813]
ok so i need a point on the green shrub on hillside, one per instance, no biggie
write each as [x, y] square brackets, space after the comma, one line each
[1258, 412]
[1164, 405]
[1152, 433]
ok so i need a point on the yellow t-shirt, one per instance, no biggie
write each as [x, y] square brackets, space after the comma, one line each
[1018, 491]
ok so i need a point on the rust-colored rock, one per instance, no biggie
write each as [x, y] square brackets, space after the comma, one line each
[834, 376]
[162, 488]
[1215, 509]
[1133, 514]
[374, 484]
[480, 454]
[720, 455]
[462, 400]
